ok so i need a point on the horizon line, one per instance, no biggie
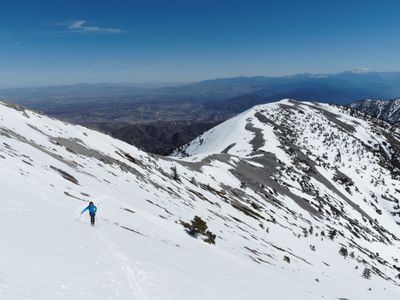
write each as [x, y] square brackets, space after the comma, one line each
[161, 84]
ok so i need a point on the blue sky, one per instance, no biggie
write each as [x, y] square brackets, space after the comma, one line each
[62, 42]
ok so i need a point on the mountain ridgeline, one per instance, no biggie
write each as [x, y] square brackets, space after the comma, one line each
[387, 110]
[287, 200]
[130, 111]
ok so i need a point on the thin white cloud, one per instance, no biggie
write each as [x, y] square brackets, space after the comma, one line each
[82, 26]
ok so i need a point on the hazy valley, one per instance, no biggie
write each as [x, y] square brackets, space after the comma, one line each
[138, 114]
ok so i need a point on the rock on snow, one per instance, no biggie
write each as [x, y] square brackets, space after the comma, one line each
[302, 197]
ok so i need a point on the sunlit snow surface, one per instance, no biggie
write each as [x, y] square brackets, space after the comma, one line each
[139, 249]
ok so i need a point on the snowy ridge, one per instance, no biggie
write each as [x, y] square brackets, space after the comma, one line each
[302, 198]
[236, 136]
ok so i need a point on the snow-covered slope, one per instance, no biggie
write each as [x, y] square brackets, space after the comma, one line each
[301, 197]
[387, 110]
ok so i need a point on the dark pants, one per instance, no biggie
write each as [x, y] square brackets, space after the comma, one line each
[92, 218]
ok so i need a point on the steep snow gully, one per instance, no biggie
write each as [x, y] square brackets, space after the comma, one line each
[300, 201]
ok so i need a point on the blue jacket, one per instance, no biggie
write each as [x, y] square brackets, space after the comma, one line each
[92, 209]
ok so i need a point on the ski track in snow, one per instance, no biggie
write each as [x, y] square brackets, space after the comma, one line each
[130, 275]
[267, 244]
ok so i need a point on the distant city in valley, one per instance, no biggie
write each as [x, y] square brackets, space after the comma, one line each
[160, 119]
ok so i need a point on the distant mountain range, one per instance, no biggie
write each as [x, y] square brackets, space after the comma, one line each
[119, 108]
[341, 88]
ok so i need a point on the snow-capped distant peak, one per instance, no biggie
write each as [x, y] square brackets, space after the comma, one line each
[360, 71]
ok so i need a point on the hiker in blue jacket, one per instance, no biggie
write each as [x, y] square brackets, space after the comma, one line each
[92, 212]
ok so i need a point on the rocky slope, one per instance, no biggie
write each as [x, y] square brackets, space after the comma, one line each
[301, 197]
[387, 110]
